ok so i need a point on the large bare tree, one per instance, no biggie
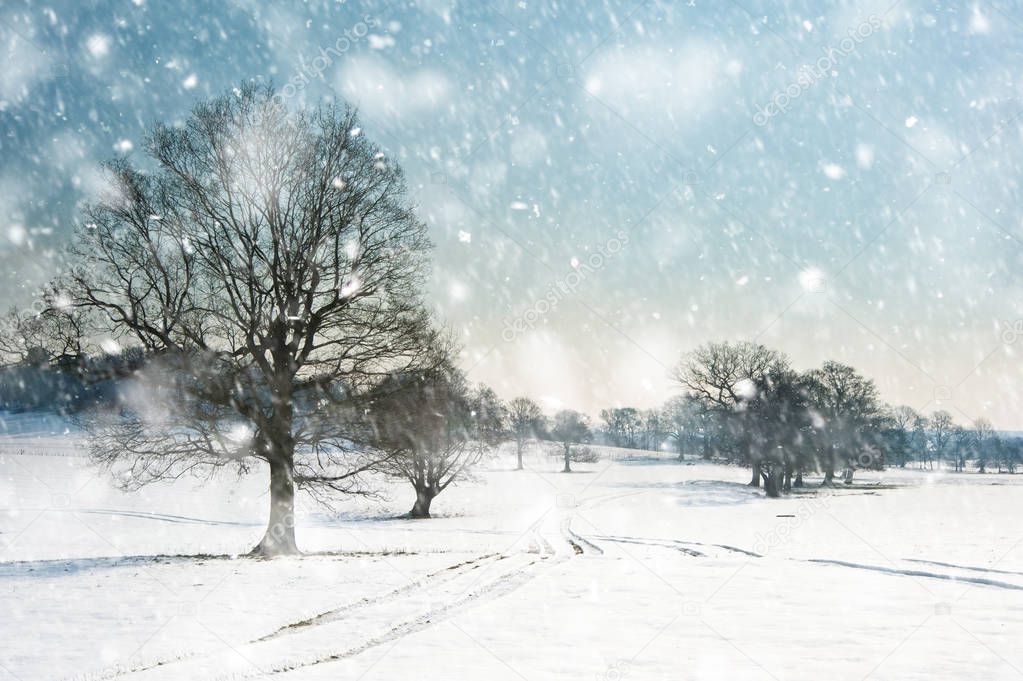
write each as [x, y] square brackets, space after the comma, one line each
[850, 413]
[270, 263]
[723, 377]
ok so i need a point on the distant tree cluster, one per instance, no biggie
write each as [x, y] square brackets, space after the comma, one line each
[743, 403]
[45, 362]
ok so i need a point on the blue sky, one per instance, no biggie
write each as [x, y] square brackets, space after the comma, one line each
[607, 158]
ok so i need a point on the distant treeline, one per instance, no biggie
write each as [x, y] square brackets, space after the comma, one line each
[743, 403]
[66, 385]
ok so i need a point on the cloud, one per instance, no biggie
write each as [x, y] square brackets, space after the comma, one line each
[12, 210]
[682, 80]
[24, 67]
[381, 90]
[679, 83]
[845, 17]
[528, 146]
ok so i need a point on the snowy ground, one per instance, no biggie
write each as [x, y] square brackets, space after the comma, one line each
[631, 569]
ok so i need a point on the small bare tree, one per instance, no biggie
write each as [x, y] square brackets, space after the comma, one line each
[570, 428]
[941, 434]
[52, 332]
[271, 262]
[433, 427]
[685, 422]
[963, 440]
[984, 436]
[525, 421]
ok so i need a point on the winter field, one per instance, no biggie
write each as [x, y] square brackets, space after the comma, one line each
[630, 568]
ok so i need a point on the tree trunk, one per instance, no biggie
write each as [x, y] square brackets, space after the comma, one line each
[787, 485]
[568, 455]
[772, 480]
[279, 539]
[755, 480]
[799, 479]
[847, 476]
[421, 509]
[829, 476]
[518, 448]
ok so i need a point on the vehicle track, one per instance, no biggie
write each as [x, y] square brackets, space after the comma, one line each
[579, 544]
[426, 581]
[918, 573]
[498, 588]
[333, 635]
[680, 545]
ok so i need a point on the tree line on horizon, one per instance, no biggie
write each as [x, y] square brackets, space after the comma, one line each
[743, 403]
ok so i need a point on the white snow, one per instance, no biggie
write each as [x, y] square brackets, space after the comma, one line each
[98, 45]
[864, 155]
[979, 23]
[833, 171]
[638, 567]
[812, 279]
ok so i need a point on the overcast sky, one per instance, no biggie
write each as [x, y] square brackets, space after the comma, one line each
[608, 185]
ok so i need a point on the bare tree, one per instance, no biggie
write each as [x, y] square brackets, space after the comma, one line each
[272, 262]
[622, 425]
[900, 433]
[22, 341]
[653, 429]
[920, 438]
[850, 412]
[433, 427]
[984, 435]
[684, 423]
[775, 418]
[52, 332]
[525, 421]
[570, 428]
[941, 433]
[963, 440]
[722, 375]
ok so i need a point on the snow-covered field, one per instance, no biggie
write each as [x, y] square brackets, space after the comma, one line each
[626, 569]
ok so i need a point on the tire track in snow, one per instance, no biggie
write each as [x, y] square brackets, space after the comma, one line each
[679, 545]
[579, 544]
[963, 567]
[502, 586]
[917, 573]
[376, 623]
[426, 581]
[667, 544]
